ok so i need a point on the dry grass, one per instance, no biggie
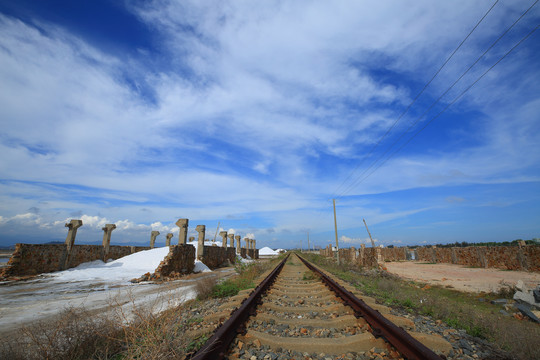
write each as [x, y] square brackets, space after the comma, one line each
[73, 334]
[117, 334]
[204, 287]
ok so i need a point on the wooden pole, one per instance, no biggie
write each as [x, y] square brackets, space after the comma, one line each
[216, 232]
[335, 228]
[372, 242]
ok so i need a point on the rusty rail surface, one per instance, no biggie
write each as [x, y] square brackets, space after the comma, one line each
[217, 346]
[399, 338]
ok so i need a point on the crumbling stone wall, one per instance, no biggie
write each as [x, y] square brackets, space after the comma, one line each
[215, 256]
[179, 260]
[499, 257]
[231, 254]
[327, 251]
[347, 255]
[531, 255]
[243, 253]
[394, 254]
[34, 259]
[367, 257]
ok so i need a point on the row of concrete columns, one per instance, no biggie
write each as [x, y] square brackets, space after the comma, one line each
[249, 243]
[73, 225]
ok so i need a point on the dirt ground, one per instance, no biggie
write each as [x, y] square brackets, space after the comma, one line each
[460, 277]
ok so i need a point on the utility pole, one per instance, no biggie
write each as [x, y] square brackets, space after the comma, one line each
[308, 241]
[335, 227]
[372, 242]
[216, 232]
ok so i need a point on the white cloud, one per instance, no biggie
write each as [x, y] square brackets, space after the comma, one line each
[255, 99]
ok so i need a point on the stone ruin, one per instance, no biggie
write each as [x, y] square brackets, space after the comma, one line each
[33, 259]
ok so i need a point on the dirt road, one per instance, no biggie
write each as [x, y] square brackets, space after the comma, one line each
[460, 277]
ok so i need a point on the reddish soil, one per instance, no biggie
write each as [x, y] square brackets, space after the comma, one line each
[460, 277]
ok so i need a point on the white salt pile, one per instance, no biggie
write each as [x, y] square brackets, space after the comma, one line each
[265, 251]
[123, 269]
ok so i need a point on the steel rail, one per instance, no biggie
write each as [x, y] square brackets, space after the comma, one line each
[408, 346]
[217, 346]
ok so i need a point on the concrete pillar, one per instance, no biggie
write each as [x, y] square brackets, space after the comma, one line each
[107, 230]
[153, 236]
[168, 239]
[254, 244]
[223, 235]
[201, 229]
[247, 243]
[362, 254]
[237, 237]
[73, 225]
[231, 238]
[182, 235]
[238, 246]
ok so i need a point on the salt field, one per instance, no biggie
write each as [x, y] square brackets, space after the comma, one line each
[97, 286]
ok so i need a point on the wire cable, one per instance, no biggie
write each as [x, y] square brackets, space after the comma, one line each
[356, 182]
[451, 103]
[414, 100]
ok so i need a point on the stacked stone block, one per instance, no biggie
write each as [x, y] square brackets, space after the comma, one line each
[180, 260]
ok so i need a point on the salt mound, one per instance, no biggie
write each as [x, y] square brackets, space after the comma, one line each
[122, 269]
[267, 251]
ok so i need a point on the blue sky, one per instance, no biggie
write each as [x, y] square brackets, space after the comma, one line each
[257, 115]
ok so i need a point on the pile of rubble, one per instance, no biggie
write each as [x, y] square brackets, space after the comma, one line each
[525, 303]
[528, 301]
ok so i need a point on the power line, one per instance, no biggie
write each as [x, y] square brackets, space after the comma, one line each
[360, 178]
[451, 103]
[416, 98]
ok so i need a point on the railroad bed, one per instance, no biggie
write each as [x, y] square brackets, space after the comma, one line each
[294, 313]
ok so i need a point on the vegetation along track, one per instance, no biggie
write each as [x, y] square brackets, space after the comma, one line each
[299, 308]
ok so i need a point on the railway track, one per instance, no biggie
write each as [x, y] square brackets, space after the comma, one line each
[299, 309]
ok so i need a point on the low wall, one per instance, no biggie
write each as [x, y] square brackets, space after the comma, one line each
[216, 256]
[367, 257]
[231, 254]
[394, 254]
[525, 258]
[180, 260]
[243, 253]
[348, 255]
[327, 252]
[499, 257]
[34, 259]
